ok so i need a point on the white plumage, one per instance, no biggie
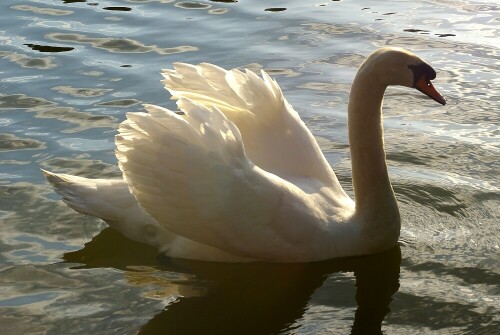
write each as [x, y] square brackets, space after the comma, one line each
[236, 177]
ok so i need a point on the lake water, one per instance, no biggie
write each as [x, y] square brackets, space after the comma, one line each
[71, 69]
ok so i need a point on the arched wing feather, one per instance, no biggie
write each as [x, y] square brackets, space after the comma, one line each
[274, 136]
[191, 174]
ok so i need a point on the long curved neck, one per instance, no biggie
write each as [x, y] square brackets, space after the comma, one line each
[374, 197]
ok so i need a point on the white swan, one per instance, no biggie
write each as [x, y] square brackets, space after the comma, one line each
[238, 176]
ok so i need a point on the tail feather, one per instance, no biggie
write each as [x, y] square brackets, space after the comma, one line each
[112, 201]
[75, 191]
[108, 199]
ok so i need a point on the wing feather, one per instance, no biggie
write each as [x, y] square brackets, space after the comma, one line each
[205, 189]
[274, 136]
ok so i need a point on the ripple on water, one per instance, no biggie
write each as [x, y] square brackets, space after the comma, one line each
[25, 61]
[45, 109]
[86, 145]
[81, 92]
[10, 142]
[192, 5]
[118, 45]
[42, 10]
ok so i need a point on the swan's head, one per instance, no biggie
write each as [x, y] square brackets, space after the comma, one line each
[396, 66]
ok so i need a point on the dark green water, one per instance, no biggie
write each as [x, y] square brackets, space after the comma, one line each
[70, 70]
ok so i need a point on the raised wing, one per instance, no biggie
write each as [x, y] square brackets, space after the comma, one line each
[191, 174]
[274, 136]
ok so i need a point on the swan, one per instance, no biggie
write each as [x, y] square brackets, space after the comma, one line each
[236, 176]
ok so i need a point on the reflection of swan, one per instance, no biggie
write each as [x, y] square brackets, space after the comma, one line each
[238, 176]
[251, 298]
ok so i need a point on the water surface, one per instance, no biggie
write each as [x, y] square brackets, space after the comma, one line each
[70, 70]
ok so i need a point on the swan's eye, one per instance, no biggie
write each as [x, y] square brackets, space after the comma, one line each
[422, 76]
[422, 70]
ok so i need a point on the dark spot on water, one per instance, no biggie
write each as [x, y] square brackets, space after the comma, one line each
[48, 48]
[391, 13]
[224, 1]
[72, 1]
[119, 9]
[126, 65]
[119, 103]
[415, 30]
[445, 35]
[275, 9]
[365, 8]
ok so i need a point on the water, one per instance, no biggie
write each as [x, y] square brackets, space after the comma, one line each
[69, 70]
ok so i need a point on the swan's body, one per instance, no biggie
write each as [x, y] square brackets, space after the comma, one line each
[239, 177]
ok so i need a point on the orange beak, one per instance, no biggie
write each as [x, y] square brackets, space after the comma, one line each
[426, 87]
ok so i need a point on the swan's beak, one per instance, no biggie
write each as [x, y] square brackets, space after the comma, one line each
[428, 89]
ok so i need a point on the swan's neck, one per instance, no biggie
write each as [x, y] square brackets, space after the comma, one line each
[374, 197]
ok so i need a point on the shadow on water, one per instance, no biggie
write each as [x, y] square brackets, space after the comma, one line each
[252, 298]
